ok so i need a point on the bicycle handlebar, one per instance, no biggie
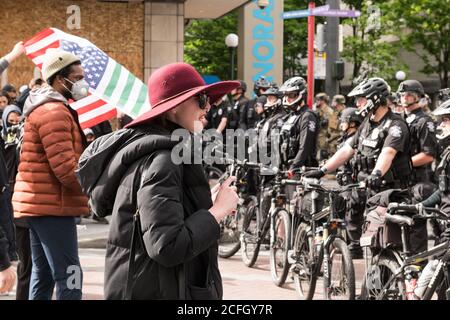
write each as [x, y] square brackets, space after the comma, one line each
[422, 211]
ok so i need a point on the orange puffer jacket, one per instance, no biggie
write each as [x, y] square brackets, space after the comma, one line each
[46, 184]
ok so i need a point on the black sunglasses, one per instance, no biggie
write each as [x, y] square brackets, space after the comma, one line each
[203, 101]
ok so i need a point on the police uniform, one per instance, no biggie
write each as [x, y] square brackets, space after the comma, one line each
[234, 112]
[328, 132]
[423, 139]
[216, 114]
[391, 131]
[265, 140]
[443, 177]
[299, 138]
[265, 128]
[371, 137]
[345, 172]
[248, 116]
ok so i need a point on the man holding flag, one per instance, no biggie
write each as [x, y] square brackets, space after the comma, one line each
[47, 192]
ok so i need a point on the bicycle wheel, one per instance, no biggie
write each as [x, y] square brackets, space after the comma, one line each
[229, 241]
[304, 269]
[341, 273]
[213, 175]
[249, 237]
[279, 266]
[382, 268]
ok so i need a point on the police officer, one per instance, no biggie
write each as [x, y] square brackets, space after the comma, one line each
[423, 153]
[217, 117]
[329, 128]
[380, 151]
[268, 139]
[442, 196]
[272, 116]
[422, 128]
[349, 121]
[238, 103]
[300, 129]
[249, 117]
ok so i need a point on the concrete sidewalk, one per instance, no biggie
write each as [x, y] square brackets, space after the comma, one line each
[92, 234]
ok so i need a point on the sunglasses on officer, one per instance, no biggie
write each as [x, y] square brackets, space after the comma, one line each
[203, 100]
[292, 95]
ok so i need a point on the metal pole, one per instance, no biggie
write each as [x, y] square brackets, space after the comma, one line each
[332, 50]
[311, 27]
[232, 63]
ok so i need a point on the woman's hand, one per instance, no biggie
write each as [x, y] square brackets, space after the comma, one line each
[214, 192]
[7, 279]
[225, 200]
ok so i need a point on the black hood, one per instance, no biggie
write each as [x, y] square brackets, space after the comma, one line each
[105, 162]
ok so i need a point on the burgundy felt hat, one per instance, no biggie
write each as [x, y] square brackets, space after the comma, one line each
[175, 83]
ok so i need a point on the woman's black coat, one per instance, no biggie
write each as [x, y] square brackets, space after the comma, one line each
[179, 233]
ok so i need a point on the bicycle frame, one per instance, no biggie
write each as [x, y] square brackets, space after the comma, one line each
[414, 259]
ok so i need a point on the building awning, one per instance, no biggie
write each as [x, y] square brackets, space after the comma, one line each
[199, 9]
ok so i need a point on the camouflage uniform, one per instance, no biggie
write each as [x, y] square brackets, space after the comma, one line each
[329, 132]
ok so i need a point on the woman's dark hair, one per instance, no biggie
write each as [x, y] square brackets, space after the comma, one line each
[64, 72]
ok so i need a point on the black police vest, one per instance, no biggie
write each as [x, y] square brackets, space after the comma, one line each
[370, 144]
[251, 116]
[265, 129]
[415, 121]
[234, 113]
[289, 137]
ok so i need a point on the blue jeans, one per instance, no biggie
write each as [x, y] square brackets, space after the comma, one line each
[54, 251]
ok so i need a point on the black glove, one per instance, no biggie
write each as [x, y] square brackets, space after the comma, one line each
[316, 174]
[375, 180]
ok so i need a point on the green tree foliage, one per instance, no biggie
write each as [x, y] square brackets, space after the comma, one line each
[205, 42]
[367, 48]
[205, 46]
[424, 28]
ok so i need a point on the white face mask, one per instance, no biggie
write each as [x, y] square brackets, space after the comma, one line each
[80, 89]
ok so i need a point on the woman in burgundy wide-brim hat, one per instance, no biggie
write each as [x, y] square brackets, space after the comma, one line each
[176, 235]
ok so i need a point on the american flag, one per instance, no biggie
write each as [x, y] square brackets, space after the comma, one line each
[111, 85]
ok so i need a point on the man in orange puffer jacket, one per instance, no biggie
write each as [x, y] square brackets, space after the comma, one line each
[47, 193]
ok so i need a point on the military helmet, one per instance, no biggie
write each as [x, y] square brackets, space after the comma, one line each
[339, 99]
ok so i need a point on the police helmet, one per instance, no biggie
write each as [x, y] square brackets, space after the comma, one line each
[261, 83]
[375, 90]
[294, 84]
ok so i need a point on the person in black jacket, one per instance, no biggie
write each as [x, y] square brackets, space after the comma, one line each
[7, 250]
[163, 214]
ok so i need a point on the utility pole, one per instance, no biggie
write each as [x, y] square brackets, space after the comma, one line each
[332, 49]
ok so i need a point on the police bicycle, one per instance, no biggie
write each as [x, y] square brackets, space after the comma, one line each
[271, 215]
[320, 247]
[393, 272]
[231, 225]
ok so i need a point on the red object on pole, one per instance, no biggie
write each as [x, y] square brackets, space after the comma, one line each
[311, 30]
